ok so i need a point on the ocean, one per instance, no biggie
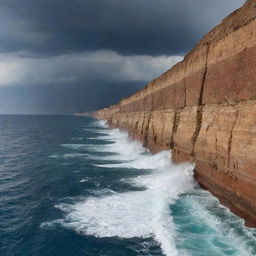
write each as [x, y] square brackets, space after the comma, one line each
[70, 186]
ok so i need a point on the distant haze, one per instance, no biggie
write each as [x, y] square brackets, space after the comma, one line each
[62, 56]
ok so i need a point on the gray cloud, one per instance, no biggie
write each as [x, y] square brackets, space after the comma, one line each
[63, 98]
[62, 56]
[73, 82]
[88, 67]
[126, 26]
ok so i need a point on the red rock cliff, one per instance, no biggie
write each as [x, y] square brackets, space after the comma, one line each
[204, 109]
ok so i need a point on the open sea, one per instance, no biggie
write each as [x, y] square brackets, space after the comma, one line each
[70, 186]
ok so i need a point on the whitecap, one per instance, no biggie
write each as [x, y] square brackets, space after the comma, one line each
[71, 155]
[133, 214]
[145, 213]
[100, 123]
[157, 161]
[87, 147]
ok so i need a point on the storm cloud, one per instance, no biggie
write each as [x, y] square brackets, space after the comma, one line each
[125, 26]
[104, 49]
[87, 67]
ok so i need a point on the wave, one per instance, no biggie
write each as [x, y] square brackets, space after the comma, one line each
[100, 123]
[80, 138]
[106, 138]
[144, 213]
[133, 214]
[86, 147]
[143, 162]
[96, 131]
[149, 212]
[122, 146]
[71, 155]
[205, 223]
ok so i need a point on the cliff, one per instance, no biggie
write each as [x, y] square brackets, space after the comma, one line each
[204, 109]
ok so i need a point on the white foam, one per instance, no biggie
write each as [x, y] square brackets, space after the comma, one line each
[70, 155]
[134, 214]
[96, 131]
[124, 148]
[106, 138]
[143, 213]
[198, 210]
[87, 147]
[100, 123]
[157, 161]
[102, 192]
[87, 179]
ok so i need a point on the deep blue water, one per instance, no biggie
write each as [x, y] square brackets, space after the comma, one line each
[70, 186]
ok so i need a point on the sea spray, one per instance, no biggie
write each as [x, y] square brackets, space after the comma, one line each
[165, 203]
[132, 204]
[145, 213]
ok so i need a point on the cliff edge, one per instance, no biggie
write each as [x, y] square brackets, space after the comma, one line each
[204, 109]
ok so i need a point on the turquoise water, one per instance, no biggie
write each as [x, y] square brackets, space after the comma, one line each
[71, 186]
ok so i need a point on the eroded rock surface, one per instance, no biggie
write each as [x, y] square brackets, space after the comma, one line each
[204, 109]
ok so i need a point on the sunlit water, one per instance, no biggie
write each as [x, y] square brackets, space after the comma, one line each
[71, 186]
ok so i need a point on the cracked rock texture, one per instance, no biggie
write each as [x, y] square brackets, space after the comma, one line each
[204, 109]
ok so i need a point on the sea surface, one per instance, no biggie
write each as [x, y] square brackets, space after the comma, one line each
[70, 186]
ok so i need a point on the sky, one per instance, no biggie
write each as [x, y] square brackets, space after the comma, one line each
[67, 56]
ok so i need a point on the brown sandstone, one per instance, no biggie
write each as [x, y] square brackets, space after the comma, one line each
[204, 109]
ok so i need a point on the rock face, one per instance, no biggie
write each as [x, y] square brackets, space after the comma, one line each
[204, 109]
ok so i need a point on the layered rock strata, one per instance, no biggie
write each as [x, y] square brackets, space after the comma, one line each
[204, 109]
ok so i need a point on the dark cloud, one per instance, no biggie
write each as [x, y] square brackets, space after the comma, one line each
[73, 82]
[129, 27]
[63, 99]
[65, 56]
[89, 67]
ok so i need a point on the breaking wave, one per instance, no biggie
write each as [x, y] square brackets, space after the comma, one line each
[152, 208]
[145, 213]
